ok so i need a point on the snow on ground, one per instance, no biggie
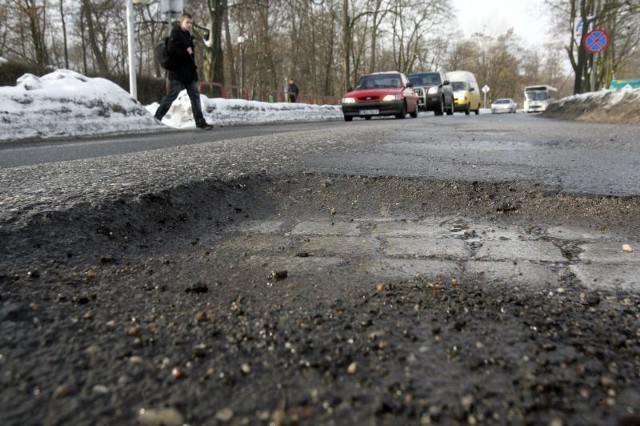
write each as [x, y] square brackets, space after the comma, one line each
[604, 106]
[67, 104]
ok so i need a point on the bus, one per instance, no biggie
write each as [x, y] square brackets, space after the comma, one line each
[536, 98]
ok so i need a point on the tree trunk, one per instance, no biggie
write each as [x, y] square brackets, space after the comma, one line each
[214, 67]
[99, 56]
[65, 42]
[346, 42]
[236, 72]
[37, 24]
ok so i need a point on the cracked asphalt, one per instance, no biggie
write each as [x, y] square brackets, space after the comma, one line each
[470, 270]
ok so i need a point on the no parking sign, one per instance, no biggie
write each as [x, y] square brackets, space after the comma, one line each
[596, 40]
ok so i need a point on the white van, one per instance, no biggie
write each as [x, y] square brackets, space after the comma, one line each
[466, 93]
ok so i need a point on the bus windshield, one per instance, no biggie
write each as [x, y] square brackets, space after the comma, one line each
[537, 95]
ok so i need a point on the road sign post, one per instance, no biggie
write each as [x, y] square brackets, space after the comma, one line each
[596, 41]
[485, 90]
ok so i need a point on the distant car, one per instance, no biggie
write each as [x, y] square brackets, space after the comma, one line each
[434, 92]
[504, 105]
[380, 94]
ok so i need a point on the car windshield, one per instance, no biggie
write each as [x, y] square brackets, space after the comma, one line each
[459, 85]
[425, 79]
[503, 101]
[378, 81]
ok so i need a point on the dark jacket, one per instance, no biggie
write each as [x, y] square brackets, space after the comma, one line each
[292, 89]
[184, 65]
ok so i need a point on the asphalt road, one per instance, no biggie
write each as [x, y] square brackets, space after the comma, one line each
[24, 153]
[439, 270]
[569, 156]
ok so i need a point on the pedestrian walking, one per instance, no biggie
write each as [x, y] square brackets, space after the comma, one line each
[292, 91]
[184, 71]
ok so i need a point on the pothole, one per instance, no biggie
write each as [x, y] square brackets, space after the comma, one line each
[373, 227]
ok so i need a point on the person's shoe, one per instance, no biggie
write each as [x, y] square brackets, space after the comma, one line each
[205, 126]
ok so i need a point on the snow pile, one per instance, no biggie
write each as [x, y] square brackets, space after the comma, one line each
[608, 106]
[65, 103]
[237, 111]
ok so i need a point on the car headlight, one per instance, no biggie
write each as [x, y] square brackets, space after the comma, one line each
[348, 100]
[390, 98]
[433, 90]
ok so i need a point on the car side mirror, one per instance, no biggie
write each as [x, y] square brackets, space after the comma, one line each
[446, 83]
[471, 89]
[409, 84]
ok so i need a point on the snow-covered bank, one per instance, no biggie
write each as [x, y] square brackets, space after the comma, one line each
[66, 103]
[605, 106]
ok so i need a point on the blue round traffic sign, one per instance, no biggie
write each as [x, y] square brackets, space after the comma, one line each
[596, 40]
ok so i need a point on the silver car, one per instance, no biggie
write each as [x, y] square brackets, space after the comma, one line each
[504, 105]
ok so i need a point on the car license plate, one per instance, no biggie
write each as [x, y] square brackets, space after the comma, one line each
[369, 112]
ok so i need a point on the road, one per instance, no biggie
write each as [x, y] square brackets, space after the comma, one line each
[439, 270]
[598, 159]
[23, 153]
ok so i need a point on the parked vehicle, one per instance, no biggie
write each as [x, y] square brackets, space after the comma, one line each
[380, 94]
[537, 98]
[504, 105]
[466, 93]
[434, 92]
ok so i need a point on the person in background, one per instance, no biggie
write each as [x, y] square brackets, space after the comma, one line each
[184, 73]
[292, 91]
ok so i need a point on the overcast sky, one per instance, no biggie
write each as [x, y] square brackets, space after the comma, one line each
[492, 17]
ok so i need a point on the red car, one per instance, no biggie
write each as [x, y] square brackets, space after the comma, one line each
[379, 94]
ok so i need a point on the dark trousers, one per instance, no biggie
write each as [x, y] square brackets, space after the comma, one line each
[194, 95]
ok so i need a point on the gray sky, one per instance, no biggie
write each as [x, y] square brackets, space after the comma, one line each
[492, 17]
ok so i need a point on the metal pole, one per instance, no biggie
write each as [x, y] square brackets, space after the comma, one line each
[594, 14]
[132, 50]
[241, 40]
[593, 72]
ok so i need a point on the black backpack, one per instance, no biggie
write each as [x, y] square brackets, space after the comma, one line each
[162, 54]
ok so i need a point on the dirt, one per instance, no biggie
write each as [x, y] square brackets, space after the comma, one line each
[134, 313]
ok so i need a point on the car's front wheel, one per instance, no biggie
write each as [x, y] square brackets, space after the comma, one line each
[451, 109]
[403, 112]
[347, 118]
[439, 108]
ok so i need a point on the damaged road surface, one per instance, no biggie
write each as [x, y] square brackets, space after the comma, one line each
[471, 270]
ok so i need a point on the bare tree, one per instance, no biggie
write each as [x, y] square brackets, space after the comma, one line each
[618, 17]
[65, 42]
[36, 14]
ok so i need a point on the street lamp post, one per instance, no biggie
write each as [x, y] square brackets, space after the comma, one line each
[131, 50]
[133, 88]
[241, 40]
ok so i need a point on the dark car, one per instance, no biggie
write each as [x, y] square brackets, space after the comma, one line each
[434, 92]
[380, 94]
